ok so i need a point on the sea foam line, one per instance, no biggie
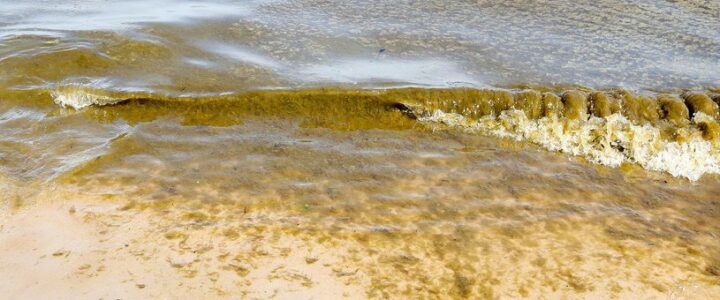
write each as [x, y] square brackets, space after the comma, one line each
[609, 141]
[78, 97]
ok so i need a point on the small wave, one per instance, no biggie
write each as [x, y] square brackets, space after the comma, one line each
[79, 97]
[680, 140]
[677, 134]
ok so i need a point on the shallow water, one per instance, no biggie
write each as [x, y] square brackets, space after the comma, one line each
[409, 140]
[170, 45]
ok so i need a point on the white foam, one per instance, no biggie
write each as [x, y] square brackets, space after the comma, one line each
[608, 141]
[78, 98]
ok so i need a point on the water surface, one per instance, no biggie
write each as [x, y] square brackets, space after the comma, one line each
[381, 149]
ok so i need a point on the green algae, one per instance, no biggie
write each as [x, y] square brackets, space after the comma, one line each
[710, 129]
[699, 102]
[472, 103]
[602, 105]
[530, 102]
[552, 105]
[575, 105]
[674, 110]
[351, 110]
[639, 109]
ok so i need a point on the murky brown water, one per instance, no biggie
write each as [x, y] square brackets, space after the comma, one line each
[217, 139]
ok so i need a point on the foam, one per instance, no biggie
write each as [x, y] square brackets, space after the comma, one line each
[609, 141]
[78, 98]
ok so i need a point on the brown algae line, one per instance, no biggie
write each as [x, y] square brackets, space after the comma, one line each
[674, 133]
[350, 109]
